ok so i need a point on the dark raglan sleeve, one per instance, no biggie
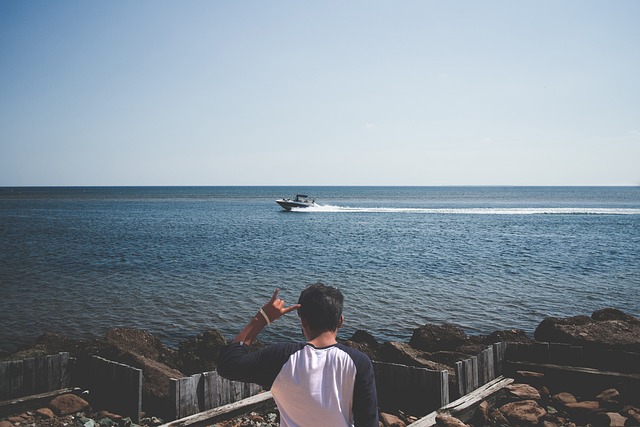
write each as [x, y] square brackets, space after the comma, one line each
[365, 396]
[261, 367]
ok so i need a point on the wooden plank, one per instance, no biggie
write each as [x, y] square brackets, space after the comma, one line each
[618, 360]
[444, 388]
[4, 383]
[460, 378]
[188, 396]
[499, 350]
[465, 407]
[128, 383]
[173, 399]
[482, 368]
[65, 371]
[561, 354]
[235, 389]
[21, 404]
[490, 364]
[540, 352]
[41, 375]
[467, 376]
[210, 396]
[54, 375]
[28, 377]
[225, 412]
[15, 374]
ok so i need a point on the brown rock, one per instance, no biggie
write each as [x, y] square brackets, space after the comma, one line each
[45, 413]
[444, 337]
[524, 412]
[364, 337]
[155, 387]
[365, 348]
[5, 423]
[582, 411]
[390, 420]
[523, 391]
[613, 314]
[609, 419]
[585, 406]
[609, 328]
[446, 420]
[200, 354]
[535, 379]
[141, 343]
[111, 416]
[481, 416]
[508, 335]
[530, 374]
[633, 414]
[404, 354]
[609, 397]
[67, 404]
[564, 398]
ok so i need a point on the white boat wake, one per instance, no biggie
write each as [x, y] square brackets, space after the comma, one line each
[473, 211]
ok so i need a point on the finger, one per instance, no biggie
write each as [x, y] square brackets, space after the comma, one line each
[275, 295]
[292, 308]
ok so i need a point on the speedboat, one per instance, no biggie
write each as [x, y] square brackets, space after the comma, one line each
[300, 201]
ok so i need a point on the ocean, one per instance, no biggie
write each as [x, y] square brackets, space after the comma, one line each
[178, 260]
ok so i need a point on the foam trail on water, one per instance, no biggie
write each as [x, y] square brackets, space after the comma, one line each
[475, 211]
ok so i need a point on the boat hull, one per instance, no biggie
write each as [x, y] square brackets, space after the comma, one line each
[290, 204]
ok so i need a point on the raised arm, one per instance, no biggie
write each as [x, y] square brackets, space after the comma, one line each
[270, 312]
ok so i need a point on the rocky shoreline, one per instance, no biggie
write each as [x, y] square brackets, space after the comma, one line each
[431, 346]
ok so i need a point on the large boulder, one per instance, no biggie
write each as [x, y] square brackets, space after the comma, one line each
[444, 337]
[608, 328]
[507, 335]
[140, 342]
[404, 354]
[523, 412]
[200, 354]
[366, 343]
[66, 404]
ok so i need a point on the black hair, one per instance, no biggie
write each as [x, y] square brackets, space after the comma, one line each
[321, 307]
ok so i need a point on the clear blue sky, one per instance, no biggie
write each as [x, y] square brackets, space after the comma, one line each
[319, 93]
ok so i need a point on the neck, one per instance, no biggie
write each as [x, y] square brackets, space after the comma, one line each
[324, 339]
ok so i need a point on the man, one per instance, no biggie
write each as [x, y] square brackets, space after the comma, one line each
[317, 383]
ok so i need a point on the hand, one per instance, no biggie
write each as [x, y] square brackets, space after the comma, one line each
[275, 308]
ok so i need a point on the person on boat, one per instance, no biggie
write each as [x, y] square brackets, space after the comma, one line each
[317, 383]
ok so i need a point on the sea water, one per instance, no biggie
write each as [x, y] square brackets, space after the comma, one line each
[178, 260]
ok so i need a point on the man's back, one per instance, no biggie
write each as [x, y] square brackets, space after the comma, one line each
[332, 386]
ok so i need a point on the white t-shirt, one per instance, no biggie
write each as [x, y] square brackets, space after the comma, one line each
[331, 386]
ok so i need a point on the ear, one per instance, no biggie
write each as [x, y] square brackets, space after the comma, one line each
[341, 322]
[304, 327]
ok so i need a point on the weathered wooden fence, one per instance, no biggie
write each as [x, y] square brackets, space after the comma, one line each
[201, 392]
[112, 385]
[19, 378]
[413, 390]
[480, 369]
[571, 355]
